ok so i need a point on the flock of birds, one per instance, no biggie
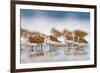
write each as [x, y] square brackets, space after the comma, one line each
[51, 40]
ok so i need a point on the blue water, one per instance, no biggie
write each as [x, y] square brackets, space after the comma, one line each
[61, 55]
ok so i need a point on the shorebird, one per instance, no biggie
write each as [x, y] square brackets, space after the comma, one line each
[51, 41]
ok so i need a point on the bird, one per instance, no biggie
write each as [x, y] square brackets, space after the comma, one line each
[52, 40]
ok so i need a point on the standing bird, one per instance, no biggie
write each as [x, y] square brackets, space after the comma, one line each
[51, 41]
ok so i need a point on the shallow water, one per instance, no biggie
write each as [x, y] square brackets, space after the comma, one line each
[60, 54]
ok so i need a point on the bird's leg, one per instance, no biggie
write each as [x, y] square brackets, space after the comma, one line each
[41, 47]
[69, 47]
[32, 48]
[49, 47]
